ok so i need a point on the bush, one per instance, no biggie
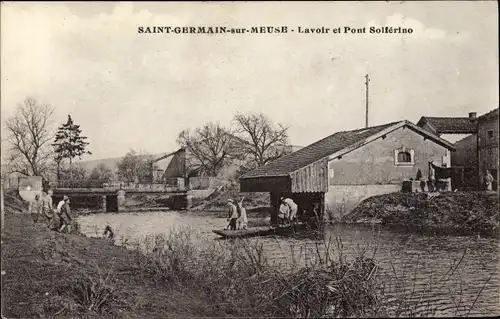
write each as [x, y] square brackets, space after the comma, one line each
[235, 278]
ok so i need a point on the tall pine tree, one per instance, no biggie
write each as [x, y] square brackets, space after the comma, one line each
[69, 144]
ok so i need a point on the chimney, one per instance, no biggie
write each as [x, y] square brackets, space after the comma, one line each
[472, 115]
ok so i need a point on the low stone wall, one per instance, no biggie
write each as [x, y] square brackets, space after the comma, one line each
[342, 199]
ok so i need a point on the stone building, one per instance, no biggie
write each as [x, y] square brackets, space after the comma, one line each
[342, 169]
[469, 161]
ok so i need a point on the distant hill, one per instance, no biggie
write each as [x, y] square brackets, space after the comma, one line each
[113, 162]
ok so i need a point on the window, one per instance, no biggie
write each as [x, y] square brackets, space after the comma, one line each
[404, 157]
[490, 134]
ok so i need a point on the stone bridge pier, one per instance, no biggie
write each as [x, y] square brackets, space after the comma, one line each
[115, 200]
[118, 202]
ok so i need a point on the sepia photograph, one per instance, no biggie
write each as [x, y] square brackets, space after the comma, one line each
[280, 159]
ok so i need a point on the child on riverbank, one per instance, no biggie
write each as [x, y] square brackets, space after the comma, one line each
[35, 208]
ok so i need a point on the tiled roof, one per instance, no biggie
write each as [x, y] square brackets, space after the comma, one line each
[316, 151]
[489, 114]
[450, 125]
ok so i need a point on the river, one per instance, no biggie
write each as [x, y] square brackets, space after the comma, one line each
[420, 261]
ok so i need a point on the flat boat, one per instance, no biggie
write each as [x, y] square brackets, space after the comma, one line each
[259, 231]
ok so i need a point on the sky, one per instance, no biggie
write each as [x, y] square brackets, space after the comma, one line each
[138, 91]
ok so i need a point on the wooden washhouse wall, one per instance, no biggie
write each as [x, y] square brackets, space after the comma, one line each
[311, 178]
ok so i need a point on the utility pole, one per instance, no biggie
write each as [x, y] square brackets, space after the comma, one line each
[366, 116]
[3, 211]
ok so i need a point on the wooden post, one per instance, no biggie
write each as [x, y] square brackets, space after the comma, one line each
[104, 206]
[274, 208]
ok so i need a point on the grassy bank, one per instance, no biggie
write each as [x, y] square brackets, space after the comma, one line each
[48, 274]
[468, 213]
[52, 274]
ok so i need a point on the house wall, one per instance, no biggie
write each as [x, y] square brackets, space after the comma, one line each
[342, 199]
[370, 170]
[29, 186]
[177, 166]
[374, 163]
[488, 147]
[466, 153]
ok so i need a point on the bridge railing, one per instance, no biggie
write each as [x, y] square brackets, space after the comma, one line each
[172, 184]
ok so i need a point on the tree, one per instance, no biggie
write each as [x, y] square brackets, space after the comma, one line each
[100, 174]
[69, 144]
[73, 176]
[264, 140]
[211, 146]
[29, 136]
[135, 167]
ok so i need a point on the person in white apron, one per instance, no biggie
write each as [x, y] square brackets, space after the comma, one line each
[284, 213]
[292, 207]
[243, 219]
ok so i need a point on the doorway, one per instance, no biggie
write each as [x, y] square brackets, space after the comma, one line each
[112, 203]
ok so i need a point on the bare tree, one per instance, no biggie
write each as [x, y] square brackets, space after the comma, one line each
[100, 175]
[136, 167]
[264, 140]
[29, 136]
[212, 147]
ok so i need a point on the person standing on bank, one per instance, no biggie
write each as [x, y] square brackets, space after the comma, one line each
[35, 208]
[233, 214]
[48, 209]
[64, 212]
[432, 178]
[488, 180]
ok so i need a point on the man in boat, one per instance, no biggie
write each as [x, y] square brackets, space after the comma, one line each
[233, 214]
[292, 207]
[242, 220]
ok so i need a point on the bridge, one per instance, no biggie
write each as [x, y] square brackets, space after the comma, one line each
[112, 198]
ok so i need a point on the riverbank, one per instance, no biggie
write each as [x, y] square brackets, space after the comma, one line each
[462, 213]
[48, 274]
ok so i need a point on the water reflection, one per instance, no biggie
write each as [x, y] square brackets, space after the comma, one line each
[443, 271]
